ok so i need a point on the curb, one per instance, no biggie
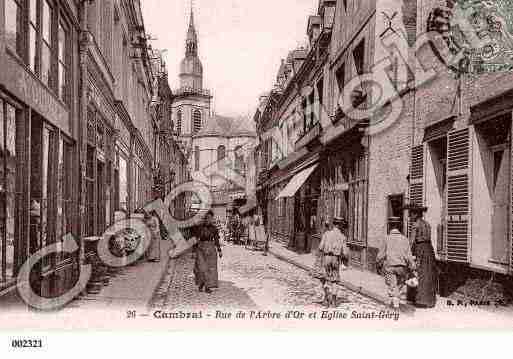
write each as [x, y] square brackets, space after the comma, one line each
[406, 308]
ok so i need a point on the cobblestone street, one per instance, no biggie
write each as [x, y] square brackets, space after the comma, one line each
[248, 280]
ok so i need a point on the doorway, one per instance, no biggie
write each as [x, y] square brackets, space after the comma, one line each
[436, 190]
[494, 142]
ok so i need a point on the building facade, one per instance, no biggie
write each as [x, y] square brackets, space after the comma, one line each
[80, 129]
[448, 147]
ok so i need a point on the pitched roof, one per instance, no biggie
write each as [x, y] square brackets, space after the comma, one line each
[222, 126]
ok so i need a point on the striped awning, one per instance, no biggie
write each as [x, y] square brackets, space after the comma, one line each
[296, 182]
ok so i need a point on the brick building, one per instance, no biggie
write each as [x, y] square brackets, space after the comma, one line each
[445, 143]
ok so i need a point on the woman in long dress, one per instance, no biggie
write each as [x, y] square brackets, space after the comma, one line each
[153, 223]
[422, 249]
[207, 250]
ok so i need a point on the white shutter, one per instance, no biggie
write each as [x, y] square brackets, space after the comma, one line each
[458, 196]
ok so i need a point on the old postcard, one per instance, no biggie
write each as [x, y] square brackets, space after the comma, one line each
[238, 164]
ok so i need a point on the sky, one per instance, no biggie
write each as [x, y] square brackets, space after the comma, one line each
[241, 43]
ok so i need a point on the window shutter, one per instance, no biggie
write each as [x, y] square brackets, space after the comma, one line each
[511, 199]
[416, 179]
[458, 196]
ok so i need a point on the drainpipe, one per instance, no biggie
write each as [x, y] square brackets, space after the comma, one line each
[84, 41]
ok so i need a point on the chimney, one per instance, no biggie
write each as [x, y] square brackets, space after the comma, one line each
[410, 20]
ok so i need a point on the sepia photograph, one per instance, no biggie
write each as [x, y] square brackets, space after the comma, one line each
[181, 165]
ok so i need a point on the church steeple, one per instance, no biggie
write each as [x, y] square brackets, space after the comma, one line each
[191, 69]
[191, 44]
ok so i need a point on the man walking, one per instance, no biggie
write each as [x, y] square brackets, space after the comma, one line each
[397, 261]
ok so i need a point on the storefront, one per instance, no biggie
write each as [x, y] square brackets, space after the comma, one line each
[293, 202]
[38, 172]
[343, 190]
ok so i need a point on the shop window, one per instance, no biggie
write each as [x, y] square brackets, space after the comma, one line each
[123, 183]
[395, 213]
[65, 208]
[281, 206]
[135, 185]
[44, 187]
[89, 183]
[14, 26]
[8, 196]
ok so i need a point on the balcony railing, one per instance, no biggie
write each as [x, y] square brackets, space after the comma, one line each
[183, 91]
[309, 136]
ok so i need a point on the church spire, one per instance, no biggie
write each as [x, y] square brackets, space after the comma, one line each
[191, 69]
[191, 44]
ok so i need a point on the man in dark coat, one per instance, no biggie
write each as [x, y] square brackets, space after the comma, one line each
[422, 249]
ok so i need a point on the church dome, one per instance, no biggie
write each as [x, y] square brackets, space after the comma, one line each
[191, 66]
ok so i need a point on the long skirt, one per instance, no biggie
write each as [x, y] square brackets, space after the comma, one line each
[425, 293]
[153, 253]
[205, 267]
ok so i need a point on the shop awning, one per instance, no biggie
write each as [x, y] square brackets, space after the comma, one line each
[252, 204]
[296, 182]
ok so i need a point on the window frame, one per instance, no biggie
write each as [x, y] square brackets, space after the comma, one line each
[4, 281]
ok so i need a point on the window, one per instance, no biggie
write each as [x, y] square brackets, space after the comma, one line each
[136, 185]
[395, 213]
[43, 170]
[359, 94]
[46, 43]
[107, 30]
[41, 39]
[123, 183]
[196, 158]
[359, 57]
[62, 76]
[239, 159]
[64, 189]
[8, 195]
[89, 183]
[14, 26]
[281, 206]
[33, 34]
[221, 154]
[196, 119]
[179, 122]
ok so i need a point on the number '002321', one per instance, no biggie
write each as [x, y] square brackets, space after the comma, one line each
[27, 343]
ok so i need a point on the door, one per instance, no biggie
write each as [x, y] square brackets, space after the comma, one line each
[500, 206]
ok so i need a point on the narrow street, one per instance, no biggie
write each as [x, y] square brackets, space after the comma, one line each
[248, 280]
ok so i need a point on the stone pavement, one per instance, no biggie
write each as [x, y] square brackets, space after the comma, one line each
[248, 280]
[366, 283]
[373, 285]
[132, 288]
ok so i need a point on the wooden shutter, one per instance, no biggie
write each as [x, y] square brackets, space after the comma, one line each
[511, 199]
[458, 196]
[416, 179]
